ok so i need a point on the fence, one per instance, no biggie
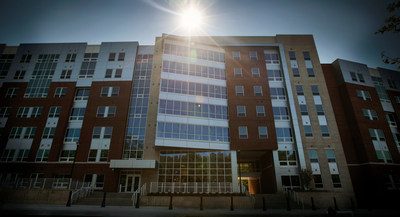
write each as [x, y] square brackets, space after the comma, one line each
[44, 183]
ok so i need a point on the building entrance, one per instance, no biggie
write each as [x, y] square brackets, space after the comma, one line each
[129, 182]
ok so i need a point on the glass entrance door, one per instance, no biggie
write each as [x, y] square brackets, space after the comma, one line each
[132, 183]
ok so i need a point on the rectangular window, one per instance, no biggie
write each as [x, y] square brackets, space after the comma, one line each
[108, 73]
[72, 135]
[330, 155]
[377, 135]
[241, 111]
[121, 56]
[236, 55]
[353, 76]
[271, 58]
[239, 90]
[325, 131]
[107, 132]
[318, 181]
[8, 155]
[54, 112]
[26, 58]
[392, 83]
[42, 155]
[96, 132]
[315, 90]
[48, 132]
[274, 75]
[29, 132]
[65, 74]
[12, 92]
[23, 112]
[111, 57]
[284, 134]
[336, 181]
[258, 91]
[70, 57]
[67, 155]
[82, 94]
[303, 110]
[15, 133]
[237, 72]
[243, 132]
[320, 109]
[277, 93]
[391, 120]
[306, 55]
[310, 72]
[260, 110]
[299, 90]
[19, 75]
[370, 114]
[296, 72]
[77, 114]
[23, 155]
[280, 113]
[253, 55]
[292, 55]
[363, 94]
[92, 155]
[312, 154]
[109, 91]
[118, 73]
[287, 158]
[88, 65]
[262, 132]
[106, 111]
[4, 112]
[60, 92]
[36, 112]
[255, 72]
[104, 155]
[360, 77]
[308, 131]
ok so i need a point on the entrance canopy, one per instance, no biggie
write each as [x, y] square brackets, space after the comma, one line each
[133, 164]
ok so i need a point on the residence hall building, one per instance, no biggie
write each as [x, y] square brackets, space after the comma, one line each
[367, 106]
[192, 114]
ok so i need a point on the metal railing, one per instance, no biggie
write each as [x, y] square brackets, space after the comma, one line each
[81, 193]
[191, 187]
[44, 183]
[140, 191]
[293, 195]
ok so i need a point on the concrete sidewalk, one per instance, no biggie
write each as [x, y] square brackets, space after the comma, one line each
[115, 211]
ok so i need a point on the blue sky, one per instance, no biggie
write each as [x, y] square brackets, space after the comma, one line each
[341, 28]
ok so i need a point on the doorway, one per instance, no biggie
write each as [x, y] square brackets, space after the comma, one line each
[129, 183]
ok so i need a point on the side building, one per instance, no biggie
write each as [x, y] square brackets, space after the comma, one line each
[366, 109]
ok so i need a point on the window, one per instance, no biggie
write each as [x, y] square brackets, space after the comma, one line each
[82, 94]
[67, 155]
[29, 132]
[280, 113]
[260, 110]
[253, 55]
[107, 132]
[320, 109]
[4, 112]
[290, 181]
[392, 83]
[363, 94]
[391, 120]
[306, 55]
[26, 58]
[299, 90]
[54, 112]
[65, 74]
[292, 55]
[287, 158]
[236, 55]
[97, 180]
[360, 77]
[310, 72]
[257, 91]
[5, 63]
[102, 132]
[239, 90]
[48, 132]
[42, 155]
[303, 110]
[312, 154]
[72, 135]
[241, 111]
[108, 73]
[103, 155]
[15, 133]
[8, 155]
[315, 90]
[19, 75]
[109, 91]
[121, 56]
[70, 57]
[255, 72]
[308, 131]
[77, 114]
[60, 92]
[284, 134]
[383, 156]
[92, 155]
[118, 73]
[318, 181]
[88, 65]
[36, 112]
[353, 76]
[277, 93]
[106, 111]
[22, 112]
[376, 135]
[296, 72]
[325, 131]
[336, 181]
[262, 132]
[370, 114]
[330, 155]
[23, 155]
[271, 58]
[237, 72]
[243, 132]
[12, 92]
[274, 75]
[111, 57]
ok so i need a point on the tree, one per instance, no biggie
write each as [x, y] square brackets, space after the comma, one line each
[306, 177]
[392, 25]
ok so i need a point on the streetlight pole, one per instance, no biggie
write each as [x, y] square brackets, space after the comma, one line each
[72, 170]
[240, 172]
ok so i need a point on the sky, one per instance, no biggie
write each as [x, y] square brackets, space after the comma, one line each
[341, 28]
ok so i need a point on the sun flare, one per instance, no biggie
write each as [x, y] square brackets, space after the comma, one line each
[191, 19]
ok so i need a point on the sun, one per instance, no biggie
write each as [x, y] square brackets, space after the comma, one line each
[191, 19]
